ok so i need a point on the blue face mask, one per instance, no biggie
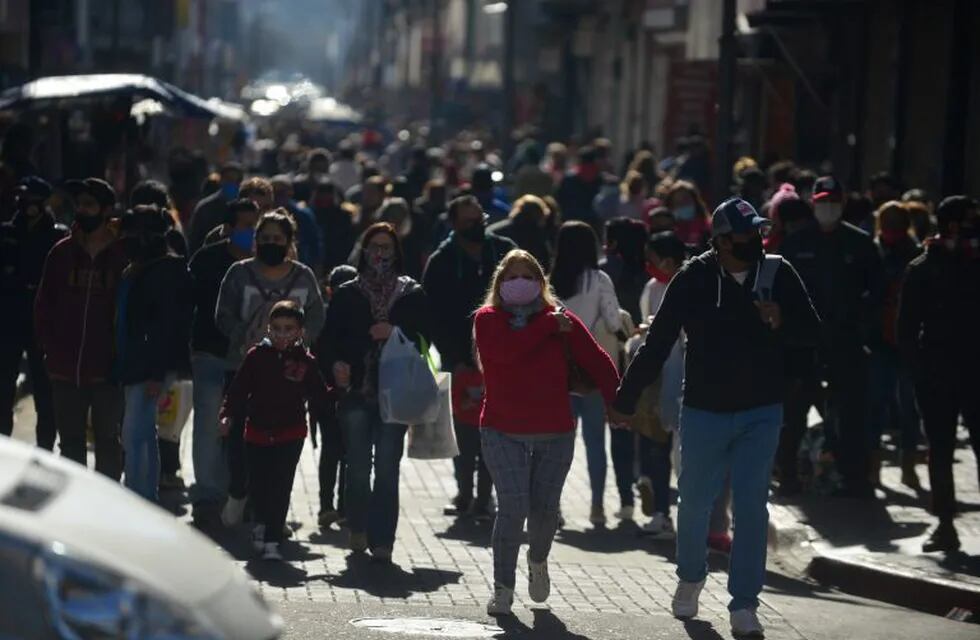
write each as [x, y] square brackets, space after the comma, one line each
[229, 191]
[685, 213]
[243, 238]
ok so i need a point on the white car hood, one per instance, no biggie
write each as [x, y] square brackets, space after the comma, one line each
[98, 520]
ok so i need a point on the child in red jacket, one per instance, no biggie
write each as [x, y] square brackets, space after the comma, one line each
[270, 391]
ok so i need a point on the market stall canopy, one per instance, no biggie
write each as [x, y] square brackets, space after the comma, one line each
[333, 112]
[64, 90]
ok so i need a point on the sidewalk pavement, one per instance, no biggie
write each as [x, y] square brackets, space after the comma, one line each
[607, 584]
[874, 548]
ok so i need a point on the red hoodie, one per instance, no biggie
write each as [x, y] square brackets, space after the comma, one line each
[526, 371]
[270, 391]
[75, 311]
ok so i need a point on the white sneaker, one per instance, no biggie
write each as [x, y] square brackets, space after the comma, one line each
[625, 512]
[271, 551]
[660, 527]
[258, 537]
[745, 623]
[538, 580]
[502, 601]
[231, 515]
[685, 604]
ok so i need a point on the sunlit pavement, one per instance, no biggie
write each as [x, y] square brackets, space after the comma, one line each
[607, 583]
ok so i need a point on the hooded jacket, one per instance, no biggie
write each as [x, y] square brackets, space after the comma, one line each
[938, 315]
[153, 321]
[271, 391]
[734, 362]
[74, 312]
[455, 285]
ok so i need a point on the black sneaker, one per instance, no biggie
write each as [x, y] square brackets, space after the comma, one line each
[482, 512]
[458, 507]
[942, 538]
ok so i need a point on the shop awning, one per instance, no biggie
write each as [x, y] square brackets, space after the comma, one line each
[66, 90]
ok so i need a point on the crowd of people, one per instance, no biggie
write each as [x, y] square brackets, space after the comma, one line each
[546, 283]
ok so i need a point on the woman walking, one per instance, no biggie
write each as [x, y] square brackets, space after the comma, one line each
[525, 343]
[361, 316]
[591, 295]
[248, 292]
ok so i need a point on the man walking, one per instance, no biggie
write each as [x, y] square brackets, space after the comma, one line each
[74, 316]
[456, 279]
[24, 245]
[842, 270]
[739, 312]
[938, 316]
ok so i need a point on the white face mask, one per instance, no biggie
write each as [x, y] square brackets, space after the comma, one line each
[827, 213]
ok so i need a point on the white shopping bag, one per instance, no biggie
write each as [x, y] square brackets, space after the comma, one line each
[173, 410]
[436, 440]
[407, 391]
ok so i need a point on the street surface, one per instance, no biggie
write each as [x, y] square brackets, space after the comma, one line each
[607, 584]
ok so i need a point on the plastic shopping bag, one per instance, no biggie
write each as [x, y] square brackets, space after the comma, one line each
[407, 391]
[174, 409]
[436, 439]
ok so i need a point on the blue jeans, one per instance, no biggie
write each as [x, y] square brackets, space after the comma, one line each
[210, 465]
[139, 437]
[743, 445]
[592, 413]
[371, 510]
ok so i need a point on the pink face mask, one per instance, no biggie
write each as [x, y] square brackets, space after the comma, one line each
[520, 291]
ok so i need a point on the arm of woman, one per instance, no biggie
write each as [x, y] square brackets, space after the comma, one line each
[593, 358]
[609, 303]
[315, 310]
[498, 343]
[227, 312]
[414, 317]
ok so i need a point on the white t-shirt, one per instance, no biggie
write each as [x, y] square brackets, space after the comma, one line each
[596, 299]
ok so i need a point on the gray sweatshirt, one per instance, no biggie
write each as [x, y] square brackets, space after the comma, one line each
[246, 297]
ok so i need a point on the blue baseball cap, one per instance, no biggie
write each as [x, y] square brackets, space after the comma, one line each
[736, 216]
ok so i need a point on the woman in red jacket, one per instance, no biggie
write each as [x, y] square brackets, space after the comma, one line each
[525, 342]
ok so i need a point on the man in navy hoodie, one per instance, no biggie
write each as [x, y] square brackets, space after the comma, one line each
[738, 326]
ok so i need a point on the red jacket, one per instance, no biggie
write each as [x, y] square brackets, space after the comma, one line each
[526, 371]
[75, 310]
[270, 391]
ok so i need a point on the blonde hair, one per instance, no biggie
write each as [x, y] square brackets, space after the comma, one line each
[515, 257]
[527, 204]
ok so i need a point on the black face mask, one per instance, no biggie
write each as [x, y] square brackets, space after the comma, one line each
[88, 224]
[475, 233]
[271, 253]
[749, 251]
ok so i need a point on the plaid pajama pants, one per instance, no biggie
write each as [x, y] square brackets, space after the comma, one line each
[529, 477]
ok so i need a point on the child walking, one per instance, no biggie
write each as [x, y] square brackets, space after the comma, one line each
[269, 392]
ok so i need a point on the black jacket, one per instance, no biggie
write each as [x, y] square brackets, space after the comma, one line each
[346, 336]
[456, 285]
[23, 250]
[208, 268]
[527, 236]
[939, 315]
[154, 321]
[734, 362]
[843, 274]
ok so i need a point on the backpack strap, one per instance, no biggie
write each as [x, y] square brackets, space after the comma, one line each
[766, 277]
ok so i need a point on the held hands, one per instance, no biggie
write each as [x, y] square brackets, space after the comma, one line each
[341, 374]
[564, 324]
[380, 331]
[618, 420]
[770, 313]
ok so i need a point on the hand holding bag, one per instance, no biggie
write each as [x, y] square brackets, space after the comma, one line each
[407, 390]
